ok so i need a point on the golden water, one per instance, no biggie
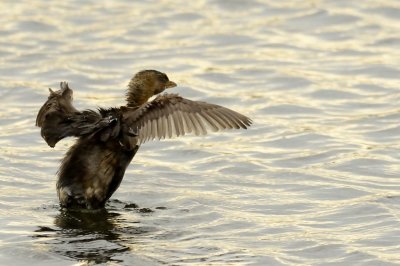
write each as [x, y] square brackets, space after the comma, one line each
[315, 181]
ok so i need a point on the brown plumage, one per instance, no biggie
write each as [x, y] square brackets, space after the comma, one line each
[108, 139]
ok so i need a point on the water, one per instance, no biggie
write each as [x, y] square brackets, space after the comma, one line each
[315, 181]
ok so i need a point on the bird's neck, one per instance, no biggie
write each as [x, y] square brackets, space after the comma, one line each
[136, 95]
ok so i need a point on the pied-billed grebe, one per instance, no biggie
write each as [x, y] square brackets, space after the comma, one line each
[108, 139]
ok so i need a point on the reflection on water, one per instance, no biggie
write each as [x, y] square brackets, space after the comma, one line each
[92, 236]
[315, 181]
[84, 236]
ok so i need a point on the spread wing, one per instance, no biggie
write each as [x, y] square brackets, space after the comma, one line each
[58, 102]
[170, 115]
[58, 118]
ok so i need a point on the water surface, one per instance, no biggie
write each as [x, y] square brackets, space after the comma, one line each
[315, 181]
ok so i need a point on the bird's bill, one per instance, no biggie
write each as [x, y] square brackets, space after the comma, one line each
[170, 84]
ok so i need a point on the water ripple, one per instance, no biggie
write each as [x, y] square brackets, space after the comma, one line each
[315, 181]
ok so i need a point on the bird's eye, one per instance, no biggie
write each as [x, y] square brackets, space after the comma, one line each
[163, 78]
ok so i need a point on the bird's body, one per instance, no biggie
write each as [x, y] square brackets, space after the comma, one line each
[91, 171]
[108, 139]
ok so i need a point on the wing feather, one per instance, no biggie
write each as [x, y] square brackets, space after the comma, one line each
[170, 115]
[176, 123]
[169, 124]
[181, 122]
[196, 125]
[221, 122]
[160, 127]
[58, 118]
[209, 121]
[217, 123]
[201, 125]
[188, 122]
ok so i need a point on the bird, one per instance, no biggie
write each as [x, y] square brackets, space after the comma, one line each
[107, 139]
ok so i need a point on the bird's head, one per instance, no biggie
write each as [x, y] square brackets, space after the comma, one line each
[146, 84]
